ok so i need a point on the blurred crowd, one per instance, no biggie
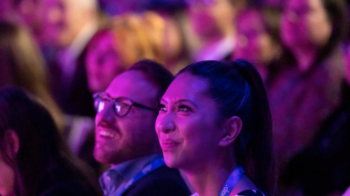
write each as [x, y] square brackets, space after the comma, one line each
[64, 51]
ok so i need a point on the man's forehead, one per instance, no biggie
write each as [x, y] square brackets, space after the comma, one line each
[132, 84]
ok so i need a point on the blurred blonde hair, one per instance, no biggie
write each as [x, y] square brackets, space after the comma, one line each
[21, 64]
[138, 37]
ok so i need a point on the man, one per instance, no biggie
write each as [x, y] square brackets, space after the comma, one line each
[69, 25]
[125, 136]
[213, 22]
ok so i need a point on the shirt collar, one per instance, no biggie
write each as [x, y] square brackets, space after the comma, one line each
[130, 168]
[118, 175]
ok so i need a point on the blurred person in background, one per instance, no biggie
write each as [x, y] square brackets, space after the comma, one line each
[178, 35]
[69, 25]
[128, 39]
[34, 160]
[21, 64]
[258, 40]
[309, 90]
[213, 23]
[177, 43]
[322, 168]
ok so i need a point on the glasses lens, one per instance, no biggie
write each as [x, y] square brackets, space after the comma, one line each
[122, 106]
[98, 103]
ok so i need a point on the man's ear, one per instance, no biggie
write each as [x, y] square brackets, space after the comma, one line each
[232, 128]
[12, 141]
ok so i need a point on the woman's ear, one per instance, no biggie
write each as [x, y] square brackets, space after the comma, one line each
[12, 141]
[232, 128]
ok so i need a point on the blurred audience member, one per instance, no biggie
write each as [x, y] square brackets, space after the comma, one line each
[21, 64]
[129, 38]
[33, 158]
[177, 39]
[259, 40]
[213, 22]
[69, 25]
[323, 167]
[176, 46]
[305, 94]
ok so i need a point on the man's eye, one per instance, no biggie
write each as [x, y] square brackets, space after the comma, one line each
[183, 108]
[161, 107]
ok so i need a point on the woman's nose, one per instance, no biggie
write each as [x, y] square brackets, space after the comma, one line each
[165, 123]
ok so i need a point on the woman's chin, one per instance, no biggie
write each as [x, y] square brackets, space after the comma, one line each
[170, 160]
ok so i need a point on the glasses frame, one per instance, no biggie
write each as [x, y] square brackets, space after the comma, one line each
[106, 97]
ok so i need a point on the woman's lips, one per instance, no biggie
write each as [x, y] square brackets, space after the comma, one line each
[168, 144]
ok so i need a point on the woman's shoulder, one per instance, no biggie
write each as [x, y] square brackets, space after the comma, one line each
[63, 180]
[250, 192]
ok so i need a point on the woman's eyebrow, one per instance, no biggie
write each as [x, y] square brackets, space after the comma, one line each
[180, 101]
[186, 101]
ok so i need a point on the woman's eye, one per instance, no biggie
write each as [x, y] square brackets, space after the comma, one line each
[161, 107]
[183, 108]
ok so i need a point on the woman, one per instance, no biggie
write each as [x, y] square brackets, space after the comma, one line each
[33, 158]
[259, 41]
[214, 124]
[129, 38]
[309, 89]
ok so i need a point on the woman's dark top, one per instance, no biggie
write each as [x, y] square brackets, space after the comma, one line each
[62, 180]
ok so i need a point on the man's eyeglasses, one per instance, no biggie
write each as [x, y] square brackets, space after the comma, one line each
[121, 105]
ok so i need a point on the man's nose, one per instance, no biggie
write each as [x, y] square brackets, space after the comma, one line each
[106, 112]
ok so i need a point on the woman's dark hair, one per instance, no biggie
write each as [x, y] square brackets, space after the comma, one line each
[337, 15]
[238, 90]
[41, 149]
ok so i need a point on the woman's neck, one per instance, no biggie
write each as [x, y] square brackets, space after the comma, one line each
[209, 179]
[305, 57]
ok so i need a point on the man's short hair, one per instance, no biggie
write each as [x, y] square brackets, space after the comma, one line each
[155, 73]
